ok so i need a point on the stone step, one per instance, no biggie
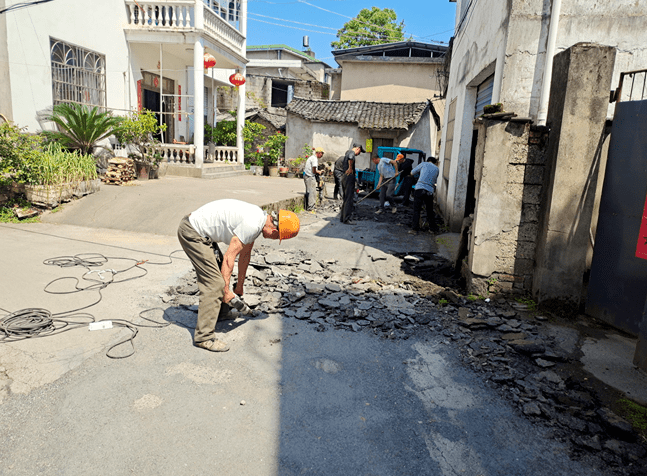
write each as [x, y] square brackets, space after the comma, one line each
[220, 175]
[223, 171]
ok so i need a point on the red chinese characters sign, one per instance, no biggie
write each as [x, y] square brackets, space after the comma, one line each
[139, 95]
[641, 247]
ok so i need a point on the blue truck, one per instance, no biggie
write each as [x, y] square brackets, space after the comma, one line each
[368, 179]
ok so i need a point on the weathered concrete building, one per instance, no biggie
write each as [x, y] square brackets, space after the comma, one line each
[275, 75]
[405, 71]
[336, 125]
[499, 56]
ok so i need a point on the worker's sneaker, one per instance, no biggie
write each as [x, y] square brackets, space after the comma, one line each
[394, 210]
[214, 345]
[350, 222]
[378, 211]
[387, 204]
[413, 232]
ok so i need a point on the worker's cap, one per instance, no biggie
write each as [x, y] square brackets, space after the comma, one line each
[361, 149]
[399, 157]
[288, 224]
[319, 149]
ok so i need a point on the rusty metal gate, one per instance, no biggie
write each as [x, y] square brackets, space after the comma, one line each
[618, 284]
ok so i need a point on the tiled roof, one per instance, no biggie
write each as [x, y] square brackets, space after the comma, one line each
[367, 115]
[277, 120]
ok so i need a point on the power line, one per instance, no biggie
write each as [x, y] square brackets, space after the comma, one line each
[17, 6]
[291, 21]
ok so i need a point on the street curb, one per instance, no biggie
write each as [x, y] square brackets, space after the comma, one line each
[287, 204]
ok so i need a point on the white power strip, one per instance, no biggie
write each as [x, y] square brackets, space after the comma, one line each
[98, 326]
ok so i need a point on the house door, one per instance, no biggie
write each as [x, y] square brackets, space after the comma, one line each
[618, 283]
[151, 101]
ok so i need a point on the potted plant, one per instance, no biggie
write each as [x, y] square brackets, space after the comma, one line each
[274, 146]
[139, 130]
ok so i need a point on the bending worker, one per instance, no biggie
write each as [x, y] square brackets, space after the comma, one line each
[388, 169]
[237, 224]
[424, 194]
[311, 176]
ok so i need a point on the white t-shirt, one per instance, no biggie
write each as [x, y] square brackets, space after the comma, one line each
[221, 220]
[386, 169]
[311, 162]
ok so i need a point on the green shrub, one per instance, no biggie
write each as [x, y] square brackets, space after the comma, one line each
[81, 127]
[17, 154]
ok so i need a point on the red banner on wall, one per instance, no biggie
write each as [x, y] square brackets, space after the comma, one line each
[179, 102]
[139, 95]
[641, 247]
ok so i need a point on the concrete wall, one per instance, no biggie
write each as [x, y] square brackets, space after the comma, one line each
[335, 85]
[509, 39]
[389, 81]
[337, 138]
[509, 167]
[576, 114]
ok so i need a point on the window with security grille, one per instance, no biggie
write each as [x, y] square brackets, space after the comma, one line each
[78, 75]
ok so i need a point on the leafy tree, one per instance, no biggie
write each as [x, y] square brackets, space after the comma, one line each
[139, 129]
[81, 127]
[370, 27]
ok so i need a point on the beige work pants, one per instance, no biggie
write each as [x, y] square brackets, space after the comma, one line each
[211, 284]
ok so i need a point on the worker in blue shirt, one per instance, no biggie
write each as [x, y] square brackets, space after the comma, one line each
[424, 194]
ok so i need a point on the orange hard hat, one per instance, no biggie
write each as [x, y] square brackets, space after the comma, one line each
[288, 225]
[399, 157]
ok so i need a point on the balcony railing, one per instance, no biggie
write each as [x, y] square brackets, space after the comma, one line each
[179, 15]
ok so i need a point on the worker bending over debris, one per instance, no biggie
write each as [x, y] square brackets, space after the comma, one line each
[237, 224]
[424, 194]
[388, 169]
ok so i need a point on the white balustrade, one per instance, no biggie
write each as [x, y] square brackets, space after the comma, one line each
[176, 154]
[178, 15]
[220, 28]
[220, 155]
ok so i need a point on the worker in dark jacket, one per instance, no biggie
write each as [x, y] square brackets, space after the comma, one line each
[349, 183]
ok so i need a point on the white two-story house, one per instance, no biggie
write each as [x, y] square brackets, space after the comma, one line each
[125, 55]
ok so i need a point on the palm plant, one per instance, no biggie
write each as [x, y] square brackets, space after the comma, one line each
[80, 127]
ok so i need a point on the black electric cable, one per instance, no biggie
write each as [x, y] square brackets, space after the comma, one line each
[31, 323]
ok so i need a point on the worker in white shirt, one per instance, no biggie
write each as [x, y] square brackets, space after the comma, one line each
[237, 224]
[310, 178]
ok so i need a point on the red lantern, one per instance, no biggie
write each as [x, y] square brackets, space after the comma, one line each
[209, 61]
[237, 79]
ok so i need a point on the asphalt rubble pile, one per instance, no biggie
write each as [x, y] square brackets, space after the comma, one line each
[513, 349]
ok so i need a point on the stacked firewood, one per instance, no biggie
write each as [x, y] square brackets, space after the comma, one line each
[120, 170]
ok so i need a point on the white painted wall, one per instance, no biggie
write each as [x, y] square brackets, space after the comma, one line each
[98, 28]
[509, 39]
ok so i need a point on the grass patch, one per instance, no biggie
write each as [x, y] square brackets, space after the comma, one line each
[532, 305]
[7, 211]
[443, 302]
[635, 414]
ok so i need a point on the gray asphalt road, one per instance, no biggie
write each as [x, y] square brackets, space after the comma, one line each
[329, 403]
[286, 399]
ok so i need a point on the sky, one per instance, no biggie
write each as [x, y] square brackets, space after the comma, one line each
[271, 22]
